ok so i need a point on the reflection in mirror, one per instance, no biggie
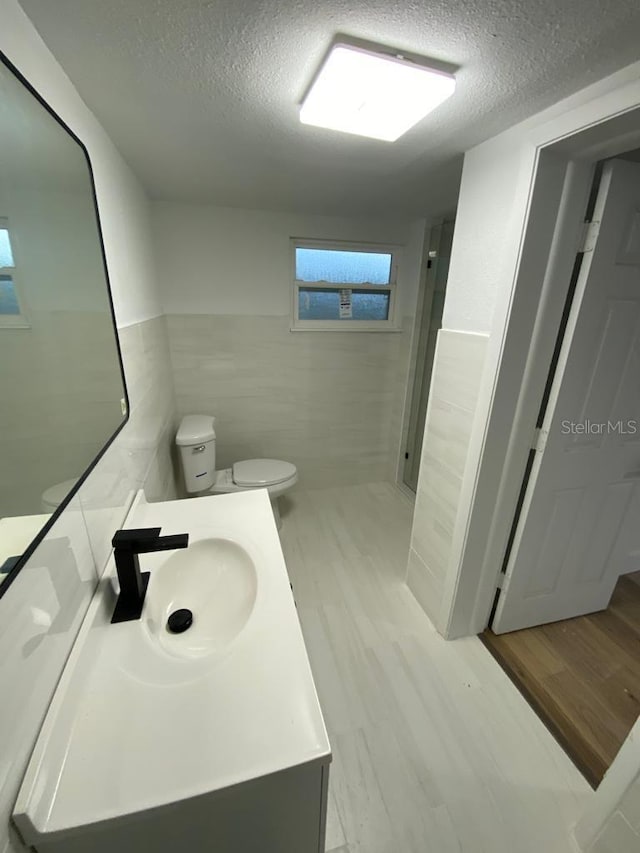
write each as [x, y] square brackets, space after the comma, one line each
[61, 385]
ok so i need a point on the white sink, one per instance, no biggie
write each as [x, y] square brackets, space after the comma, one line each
[216, 580]
[163, 718]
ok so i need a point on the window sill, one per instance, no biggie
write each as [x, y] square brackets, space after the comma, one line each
[15, 322]
[338, 328]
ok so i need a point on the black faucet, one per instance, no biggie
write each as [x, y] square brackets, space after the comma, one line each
[127, 544]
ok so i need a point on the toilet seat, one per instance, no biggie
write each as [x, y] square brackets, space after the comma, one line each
[262, 472]
[54, 495]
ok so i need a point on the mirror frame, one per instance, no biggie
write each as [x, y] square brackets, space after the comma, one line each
[15, 571]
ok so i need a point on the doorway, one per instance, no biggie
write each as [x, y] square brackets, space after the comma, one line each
[581, 676]
[430, 309]
[566, 620]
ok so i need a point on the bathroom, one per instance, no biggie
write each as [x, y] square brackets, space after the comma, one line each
[432, 747]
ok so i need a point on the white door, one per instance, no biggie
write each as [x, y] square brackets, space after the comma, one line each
[579, 527]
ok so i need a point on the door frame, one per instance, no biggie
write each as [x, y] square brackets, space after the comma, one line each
[423, 304]
[557, 157]
[566, 592]
[561, 163]
[560, 169]
[422, 329]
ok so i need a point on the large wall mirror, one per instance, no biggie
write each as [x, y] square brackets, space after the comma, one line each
[62, 392]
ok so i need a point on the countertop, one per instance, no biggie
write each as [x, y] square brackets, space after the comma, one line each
[131, 728]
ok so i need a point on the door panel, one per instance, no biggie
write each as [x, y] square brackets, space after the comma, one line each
[545, 569]
[608, 521]
[616, 340]
[579, 526]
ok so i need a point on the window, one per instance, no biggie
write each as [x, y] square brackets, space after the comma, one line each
[343, 286]
[11, 314]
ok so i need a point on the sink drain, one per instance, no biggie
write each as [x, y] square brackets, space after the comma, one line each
[179, 621]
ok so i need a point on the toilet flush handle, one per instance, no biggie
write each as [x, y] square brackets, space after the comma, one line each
[199, 449]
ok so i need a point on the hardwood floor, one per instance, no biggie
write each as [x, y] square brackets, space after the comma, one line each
[434, 749]
[582, 676]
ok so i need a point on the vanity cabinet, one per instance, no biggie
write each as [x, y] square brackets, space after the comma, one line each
[284, 812]
[207, 741]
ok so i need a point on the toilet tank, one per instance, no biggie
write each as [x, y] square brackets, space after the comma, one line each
[196, 440]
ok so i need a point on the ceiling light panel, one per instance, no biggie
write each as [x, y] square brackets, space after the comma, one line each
[375, 95]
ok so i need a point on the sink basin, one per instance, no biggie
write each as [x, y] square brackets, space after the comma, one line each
[216, 580]
[169, 724]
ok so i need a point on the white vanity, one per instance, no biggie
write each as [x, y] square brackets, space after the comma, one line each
[207, 740]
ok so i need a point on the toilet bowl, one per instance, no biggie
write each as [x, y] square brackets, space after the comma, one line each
[196, 441]
[54, 495]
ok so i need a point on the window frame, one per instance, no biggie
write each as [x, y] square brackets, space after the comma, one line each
[13, 321]
[388, 325]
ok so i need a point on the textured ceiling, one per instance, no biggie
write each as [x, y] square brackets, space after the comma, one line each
[201, 96]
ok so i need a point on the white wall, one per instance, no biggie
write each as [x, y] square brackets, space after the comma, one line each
[330, 402]
[42, 610]
[55, 242]
[494, 200]
[457, 368]
[510, 161]
[621, 833]
[65, 364]
[612, 823]
[494, 204]
[491, 198]
[222, 260]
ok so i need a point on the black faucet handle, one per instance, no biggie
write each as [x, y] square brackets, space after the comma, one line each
[135, 536]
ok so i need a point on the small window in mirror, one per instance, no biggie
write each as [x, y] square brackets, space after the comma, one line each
[6, 255]
[11, 313]
[8, 299]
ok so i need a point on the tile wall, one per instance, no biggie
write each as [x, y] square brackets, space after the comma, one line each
[142, 454]
[46, 409]
[454, 391]
[330, 402]
[44, 607]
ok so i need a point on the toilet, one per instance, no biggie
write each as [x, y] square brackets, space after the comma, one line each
[54, 495]
[196, 441]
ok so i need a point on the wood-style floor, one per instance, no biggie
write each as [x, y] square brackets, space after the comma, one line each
[434, 749]
[582, 676]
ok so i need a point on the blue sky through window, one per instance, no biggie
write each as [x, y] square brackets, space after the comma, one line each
[8, 297]
[343, 267]
[6, 255]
